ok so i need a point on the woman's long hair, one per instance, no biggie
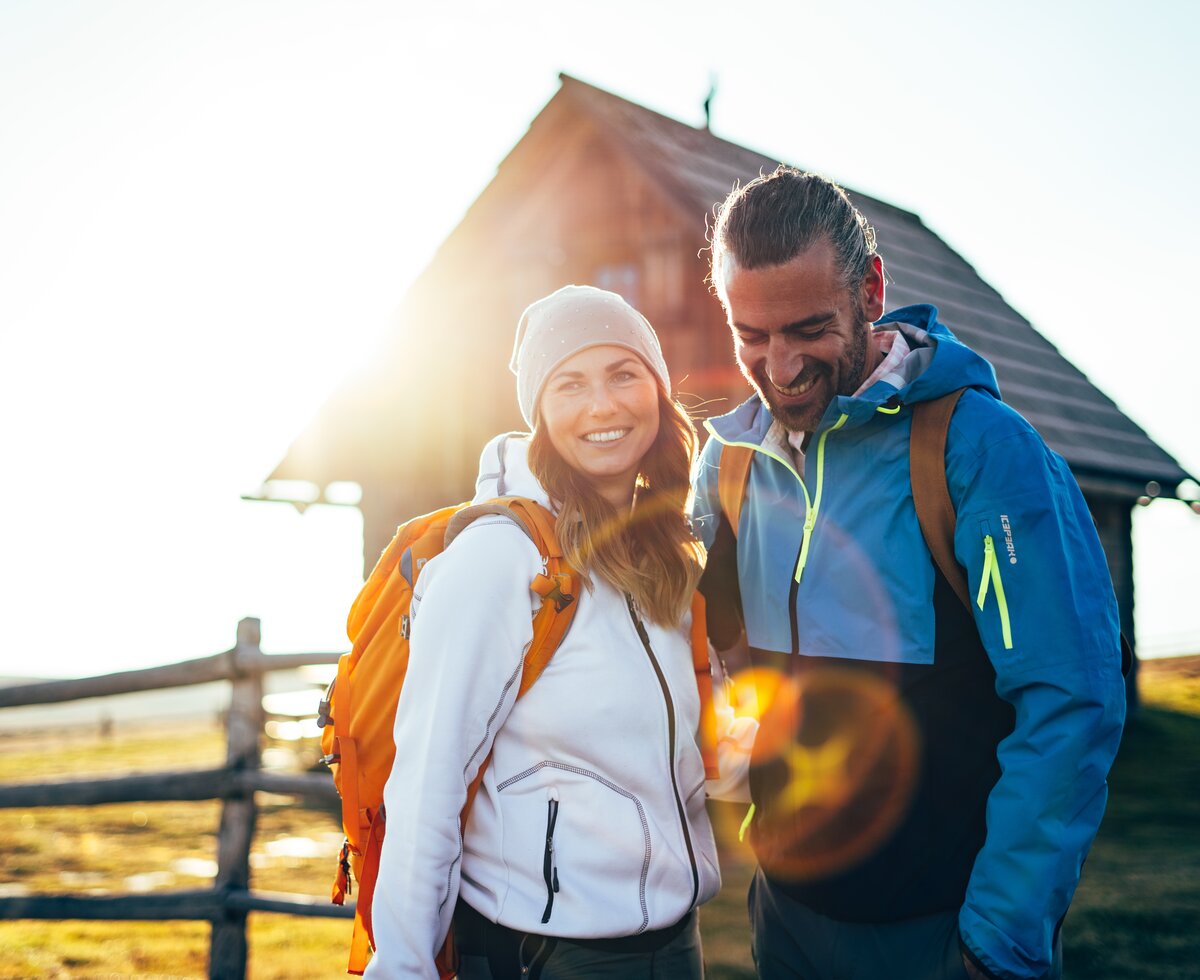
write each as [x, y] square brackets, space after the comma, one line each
[649, 553]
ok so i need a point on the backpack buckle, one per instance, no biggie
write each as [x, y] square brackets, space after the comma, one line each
[555, 589]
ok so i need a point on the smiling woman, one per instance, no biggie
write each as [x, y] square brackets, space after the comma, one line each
[600, 413]
[589, 847]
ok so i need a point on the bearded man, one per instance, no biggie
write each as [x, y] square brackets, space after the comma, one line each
[927, 779]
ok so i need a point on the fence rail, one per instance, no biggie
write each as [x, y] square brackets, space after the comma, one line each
[228, 902]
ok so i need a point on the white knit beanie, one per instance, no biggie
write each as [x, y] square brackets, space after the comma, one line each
[572, 319]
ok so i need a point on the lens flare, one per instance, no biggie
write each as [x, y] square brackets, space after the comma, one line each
[834, 767]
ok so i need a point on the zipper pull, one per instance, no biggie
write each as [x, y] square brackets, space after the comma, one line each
[989, 561]
[552, 798]
[637, 621]
[991, 576]
[549, 859]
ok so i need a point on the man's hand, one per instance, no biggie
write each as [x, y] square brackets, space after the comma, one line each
[972, 970]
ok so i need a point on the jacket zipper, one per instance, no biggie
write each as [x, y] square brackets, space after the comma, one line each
[812, 507]
[795, 587]
[991, 576]
[666, 693]
[549, 861]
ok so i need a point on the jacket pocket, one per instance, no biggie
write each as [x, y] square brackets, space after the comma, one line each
[597, 831]
[990, 580]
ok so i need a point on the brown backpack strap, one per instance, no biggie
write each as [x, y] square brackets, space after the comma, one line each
[931, 497]
[733, 473]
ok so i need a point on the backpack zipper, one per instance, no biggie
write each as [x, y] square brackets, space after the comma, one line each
[549, 861]
[991, 576]
[666, 693]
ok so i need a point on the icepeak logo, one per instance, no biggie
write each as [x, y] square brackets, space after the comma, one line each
[1008, 539]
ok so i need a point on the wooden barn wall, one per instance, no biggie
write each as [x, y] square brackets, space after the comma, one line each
[576, 212]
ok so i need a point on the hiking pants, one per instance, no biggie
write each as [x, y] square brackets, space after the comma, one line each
[792, 942]
[488, 951]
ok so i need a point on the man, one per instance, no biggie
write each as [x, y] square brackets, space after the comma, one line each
[926, 780]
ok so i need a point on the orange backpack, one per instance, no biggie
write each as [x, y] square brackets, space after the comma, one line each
[359, 710]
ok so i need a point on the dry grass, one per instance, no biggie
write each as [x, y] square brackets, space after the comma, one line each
[1137, 913]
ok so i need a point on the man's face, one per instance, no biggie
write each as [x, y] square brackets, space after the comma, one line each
[800, 336]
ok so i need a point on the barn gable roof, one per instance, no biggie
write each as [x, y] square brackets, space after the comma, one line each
[694, 169]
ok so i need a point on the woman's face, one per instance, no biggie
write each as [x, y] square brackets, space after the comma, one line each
[600, 410]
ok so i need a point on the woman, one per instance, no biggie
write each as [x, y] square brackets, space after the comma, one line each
[588, 847]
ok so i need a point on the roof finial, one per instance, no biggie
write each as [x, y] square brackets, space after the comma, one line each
[708, 99]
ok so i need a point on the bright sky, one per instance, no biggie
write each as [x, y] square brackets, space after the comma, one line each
[209, 212]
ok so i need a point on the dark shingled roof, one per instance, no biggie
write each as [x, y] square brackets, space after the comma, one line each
[696, 169]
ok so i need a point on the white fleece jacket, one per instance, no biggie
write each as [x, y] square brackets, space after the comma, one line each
[608, 734]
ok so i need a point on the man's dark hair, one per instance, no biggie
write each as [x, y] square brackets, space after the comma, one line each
[777, 216]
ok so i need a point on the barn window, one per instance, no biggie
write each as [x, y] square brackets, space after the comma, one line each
[622, 278]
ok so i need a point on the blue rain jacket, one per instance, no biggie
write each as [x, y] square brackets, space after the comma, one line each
[835, 566]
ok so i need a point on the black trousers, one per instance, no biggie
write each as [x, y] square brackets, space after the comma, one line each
[792, 942]
[488, 951]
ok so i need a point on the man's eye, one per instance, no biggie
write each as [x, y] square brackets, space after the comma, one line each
[749, 339]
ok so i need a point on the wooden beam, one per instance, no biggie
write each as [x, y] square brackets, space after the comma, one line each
[287, 661]
[202, 905]
[289, 904]
[207, 904]
[205, 670]
[310, 785]
[229, 950]
[202, 784]
[201, 671]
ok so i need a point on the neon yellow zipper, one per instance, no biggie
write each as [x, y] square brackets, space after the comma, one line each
[810, 518]
[812, 505]
[991, 575]
[747, 820]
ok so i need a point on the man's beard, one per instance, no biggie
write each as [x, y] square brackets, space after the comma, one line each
[850, 377]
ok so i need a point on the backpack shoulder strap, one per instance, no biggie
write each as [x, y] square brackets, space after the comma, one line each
[931, 496]
[556, 584]
[733, 473]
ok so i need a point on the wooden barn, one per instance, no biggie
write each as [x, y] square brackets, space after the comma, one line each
[603, 191]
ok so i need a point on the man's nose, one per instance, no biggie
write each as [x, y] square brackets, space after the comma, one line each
[784, 361]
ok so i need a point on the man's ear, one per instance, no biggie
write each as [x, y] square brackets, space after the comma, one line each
[872, 289]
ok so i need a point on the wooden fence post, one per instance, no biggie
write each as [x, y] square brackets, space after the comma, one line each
[228, 953]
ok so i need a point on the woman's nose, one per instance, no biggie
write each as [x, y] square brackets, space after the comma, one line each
[602, 401]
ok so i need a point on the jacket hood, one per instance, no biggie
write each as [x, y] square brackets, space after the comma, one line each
[949, 363]
[504, 470]
[937, 363]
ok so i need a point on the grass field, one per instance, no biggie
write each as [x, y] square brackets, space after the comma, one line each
[1137, 912]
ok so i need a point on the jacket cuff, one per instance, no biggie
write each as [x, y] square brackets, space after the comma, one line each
[975, 961]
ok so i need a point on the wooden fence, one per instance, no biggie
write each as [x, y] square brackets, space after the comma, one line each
[228, 902]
